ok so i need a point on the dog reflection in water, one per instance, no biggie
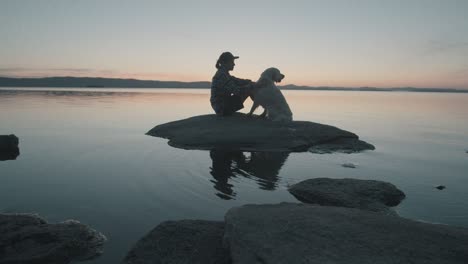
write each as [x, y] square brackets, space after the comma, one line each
[263, 167]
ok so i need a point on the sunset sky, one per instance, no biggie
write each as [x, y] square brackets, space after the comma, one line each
[421, 43]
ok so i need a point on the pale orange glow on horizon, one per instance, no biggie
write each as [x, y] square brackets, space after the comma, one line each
[329, 79]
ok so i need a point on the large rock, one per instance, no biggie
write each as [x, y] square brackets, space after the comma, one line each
[241, 132]
[302, 233]
[353, 193]
[185, 241]
[9, 149]
[29, 239]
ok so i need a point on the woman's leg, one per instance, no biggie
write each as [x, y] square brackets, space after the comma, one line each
[233, 104]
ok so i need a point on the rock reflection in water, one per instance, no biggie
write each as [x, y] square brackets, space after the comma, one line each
[263, 167]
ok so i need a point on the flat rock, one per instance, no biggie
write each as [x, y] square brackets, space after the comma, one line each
[9, 149]
[302, 233]
[29, 239]
[368, 195]
[241, 132]
[185, 241]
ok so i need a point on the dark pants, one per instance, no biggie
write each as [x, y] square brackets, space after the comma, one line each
[235, 102]
[232, 104]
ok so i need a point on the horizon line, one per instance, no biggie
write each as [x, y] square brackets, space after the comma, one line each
[289, 84]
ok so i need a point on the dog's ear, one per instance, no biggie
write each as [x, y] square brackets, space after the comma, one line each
[268, 74]
[277, 73]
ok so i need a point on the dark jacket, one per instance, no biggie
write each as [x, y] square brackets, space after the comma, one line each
[224, 85]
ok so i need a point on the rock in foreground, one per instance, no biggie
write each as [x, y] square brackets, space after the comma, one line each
[9, 149]
[301, 233]
[29, 239]
[241, 132]
[353, 193]
[185, 241]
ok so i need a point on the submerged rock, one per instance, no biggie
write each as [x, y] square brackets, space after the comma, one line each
[9, 149]
[185, 241]
[29, 239]
[368, 195]
[349, 165]
[341, 146]
[301, 233]
[241, 132]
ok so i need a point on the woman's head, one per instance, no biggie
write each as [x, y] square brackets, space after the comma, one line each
[226, 59]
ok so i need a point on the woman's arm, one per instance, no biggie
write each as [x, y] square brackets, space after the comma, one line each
[226, 84]
[241, 82]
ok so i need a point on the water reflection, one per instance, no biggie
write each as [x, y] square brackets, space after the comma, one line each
[263, 167]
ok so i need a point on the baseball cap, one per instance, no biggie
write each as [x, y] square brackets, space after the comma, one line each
[227, 56]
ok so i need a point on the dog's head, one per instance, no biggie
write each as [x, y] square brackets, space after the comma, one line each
[272, 74]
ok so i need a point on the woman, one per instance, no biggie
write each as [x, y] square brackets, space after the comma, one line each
[228, 93]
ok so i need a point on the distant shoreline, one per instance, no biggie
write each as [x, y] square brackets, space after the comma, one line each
[92, 82]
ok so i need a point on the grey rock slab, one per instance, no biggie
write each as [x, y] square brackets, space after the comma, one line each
[369, 195]
[29, 239]
[302, 233]
[9, 149]
[185, 241]
[241, 132]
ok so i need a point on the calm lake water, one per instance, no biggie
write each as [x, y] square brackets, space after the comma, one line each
[85, 156]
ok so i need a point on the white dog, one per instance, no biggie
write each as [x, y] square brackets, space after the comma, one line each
[270, 97]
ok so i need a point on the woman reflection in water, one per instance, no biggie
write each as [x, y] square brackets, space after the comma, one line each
[262, 167]
[228, 93]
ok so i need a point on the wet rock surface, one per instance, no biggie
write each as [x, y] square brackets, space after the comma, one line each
[29, 239]
[9, 149]
[368, 195]
[302, 233]
[241, 132]
[185, 241]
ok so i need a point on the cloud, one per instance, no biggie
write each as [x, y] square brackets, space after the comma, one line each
[436, 47]
[461, 73]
